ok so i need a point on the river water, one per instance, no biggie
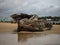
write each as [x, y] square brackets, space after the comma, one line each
[38, 39]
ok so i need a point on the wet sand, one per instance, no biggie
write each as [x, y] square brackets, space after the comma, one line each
[7, 27]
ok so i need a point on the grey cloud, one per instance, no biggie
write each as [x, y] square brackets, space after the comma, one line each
[39, 7]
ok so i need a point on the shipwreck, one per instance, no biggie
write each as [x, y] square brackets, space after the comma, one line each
[30, 23]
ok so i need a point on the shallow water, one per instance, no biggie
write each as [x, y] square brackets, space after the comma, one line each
[38, 39]
[29, 39]
[8, 39]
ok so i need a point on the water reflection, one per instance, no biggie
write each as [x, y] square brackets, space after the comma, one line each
[38, 39]
[24, 36]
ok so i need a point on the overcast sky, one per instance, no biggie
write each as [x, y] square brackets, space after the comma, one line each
[39, 7]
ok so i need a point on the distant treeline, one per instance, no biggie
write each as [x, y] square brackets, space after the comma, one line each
[55, 18]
